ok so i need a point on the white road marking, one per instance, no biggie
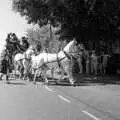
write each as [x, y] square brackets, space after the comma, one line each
[90, 115]
[65, 99]
[49, 89]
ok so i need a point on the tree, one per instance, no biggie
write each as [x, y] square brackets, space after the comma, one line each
[43, 37]
[33, 36]
[39, 36]
[82, 19]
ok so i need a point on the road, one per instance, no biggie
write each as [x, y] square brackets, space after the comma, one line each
[23, 100]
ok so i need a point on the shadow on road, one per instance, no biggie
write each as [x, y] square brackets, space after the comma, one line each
[97, 80]
[88, 80]
[17, 83]
[80, 80]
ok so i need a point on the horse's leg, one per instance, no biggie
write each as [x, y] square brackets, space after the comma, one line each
[28, 70]
[7, 76]
[34, 82]
[44, 75]
[62, 71]
[30, 74]
[15, 71]
[70, 76]
[62, 74]
[52, 73]
[64, 68]
[70, 73]
[25, 66]
[19, 76]
[24, 75]
[1, 75]
[21, 73]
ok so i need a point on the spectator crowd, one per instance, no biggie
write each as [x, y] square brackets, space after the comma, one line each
[92, 63]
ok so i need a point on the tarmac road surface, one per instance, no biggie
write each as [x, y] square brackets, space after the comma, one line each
[23, 100]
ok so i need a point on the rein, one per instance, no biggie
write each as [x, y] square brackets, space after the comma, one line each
[58, 61]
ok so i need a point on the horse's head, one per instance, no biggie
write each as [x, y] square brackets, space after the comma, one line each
[29, 52]
[71, 47]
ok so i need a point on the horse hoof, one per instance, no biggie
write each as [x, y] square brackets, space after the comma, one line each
[47, 83]
[72, 84]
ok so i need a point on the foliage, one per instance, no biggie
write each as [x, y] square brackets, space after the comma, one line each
[83, 19]
[44, 37]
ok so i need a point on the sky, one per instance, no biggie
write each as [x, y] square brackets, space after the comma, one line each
[10, 22]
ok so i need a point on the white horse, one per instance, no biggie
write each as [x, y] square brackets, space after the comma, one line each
[18, 63]
[21, 61]
[39, 61]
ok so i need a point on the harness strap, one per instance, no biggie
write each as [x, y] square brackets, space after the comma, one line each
[66, 54]
[58, 61]
[29, 59]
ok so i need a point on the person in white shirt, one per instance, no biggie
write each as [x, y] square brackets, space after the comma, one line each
[94, 63]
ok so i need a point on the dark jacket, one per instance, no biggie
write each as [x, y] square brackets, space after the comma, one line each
[5, 65]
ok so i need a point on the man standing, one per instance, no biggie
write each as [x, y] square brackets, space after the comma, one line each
[24, 44]
[5, 67]
[80, 62]
[94, 63]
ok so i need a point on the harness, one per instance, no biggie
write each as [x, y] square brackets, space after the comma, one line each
[29, 59]
[67, 55]
[59, 60]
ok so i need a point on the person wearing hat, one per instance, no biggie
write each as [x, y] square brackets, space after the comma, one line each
[25, 43]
